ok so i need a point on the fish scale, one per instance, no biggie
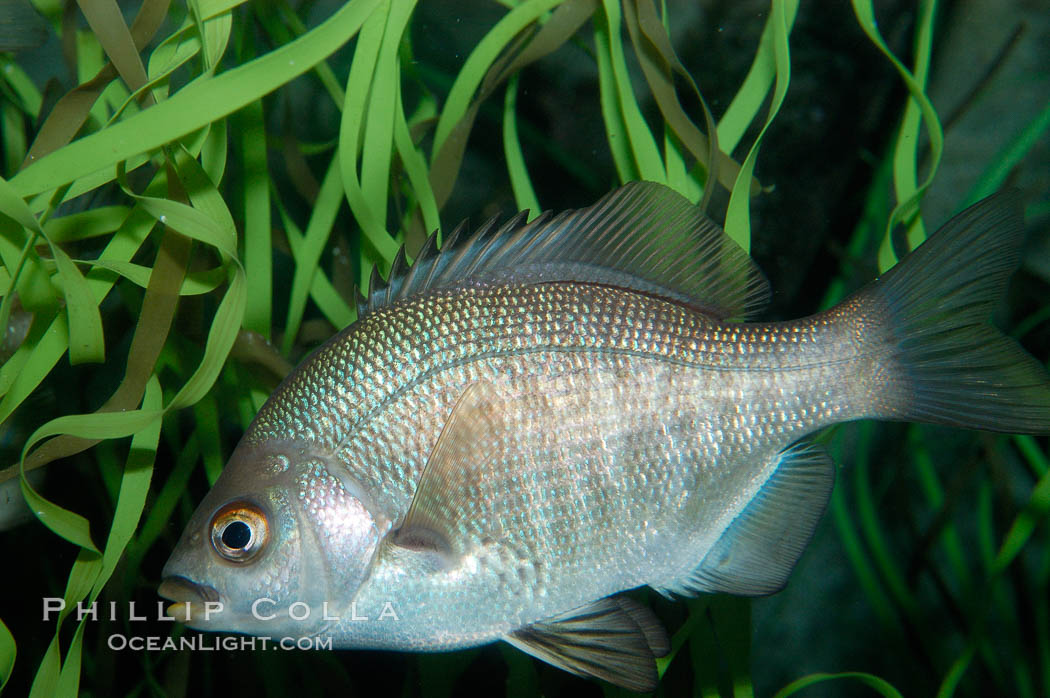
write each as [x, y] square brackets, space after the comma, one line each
[480, 343]
[543, 415]
[502, 321]
[728, 429]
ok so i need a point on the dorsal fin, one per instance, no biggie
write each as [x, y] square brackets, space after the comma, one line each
[643, 236]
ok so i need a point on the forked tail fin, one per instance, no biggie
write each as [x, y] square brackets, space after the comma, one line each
[950, 366]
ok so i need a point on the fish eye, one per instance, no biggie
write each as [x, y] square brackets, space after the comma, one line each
[239, 531]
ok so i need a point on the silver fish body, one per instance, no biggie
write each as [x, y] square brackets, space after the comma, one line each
[618, 455]
[524, 426]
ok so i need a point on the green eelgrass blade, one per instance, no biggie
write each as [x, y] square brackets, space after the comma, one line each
[679, 178]
[258, 255]
[996, 564]
[72, 110]
[986, 525]
[1034, 511]
[131, 501]
[377, 147]
[212, 224]
[203, 101]
[21, 85]
[213, 8]
[39, 352]
[704, 653]
[107, 25]
[84, 225]
[954, 675]
[995, 174]
[880, 686]
[905, 177]
[719, 646]
[163, 506]
[935, 496]
[209, 221]
[172, 53]
[738, 215]
[856, 553]
[415, 164]
[214, 28]
[8, 653]
[865, 508]
[86, 576]
[213, 152]
[230, 313]
[134, 486]
[328, 300]
[523, 681]
[733, 615]
[683, 634]
[660, 64]
[484, 69]
[26, 273]
[524, 195]
[85, 323]
[34, 359]
[644, 152]
[308, 255]
[753, 92]
[615, 129]
[206, 418]
[13, 133]
[158, 308]
[279, 26]
[484, 55]
[86, 341]
[81, 578]
[905, 157]
[192, 223]
[195, 283]
[369, 212]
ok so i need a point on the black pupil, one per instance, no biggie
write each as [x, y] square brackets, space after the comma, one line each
[236, 535]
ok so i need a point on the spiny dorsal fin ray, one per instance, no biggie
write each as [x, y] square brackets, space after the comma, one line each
[757, 551]
[470, 439]
[643, 236]
[615, 639]
[383, 292]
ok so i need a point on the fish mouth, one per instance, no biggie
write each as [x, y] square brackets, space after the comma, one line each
[190, 598]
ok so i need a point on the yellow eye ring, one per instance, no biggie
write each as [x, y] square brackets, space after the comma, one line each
[239, 531]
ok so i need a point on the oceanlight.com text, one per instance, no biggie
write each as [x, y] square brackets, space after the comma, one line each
[212, 643]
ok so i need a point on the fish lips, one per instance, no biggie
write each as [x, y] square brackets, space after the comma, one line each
[194, 602]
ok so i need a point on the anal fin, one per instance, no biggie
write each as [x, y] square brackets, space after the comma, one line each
[758, 550]
[615, 639]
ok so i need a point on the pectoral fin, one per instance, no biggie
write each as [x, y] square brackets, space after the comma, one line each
[615, 639]
[758, 550]
[442, 509]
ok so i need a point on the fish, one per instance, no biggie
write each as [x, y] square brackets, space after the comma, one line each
[540, 416]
